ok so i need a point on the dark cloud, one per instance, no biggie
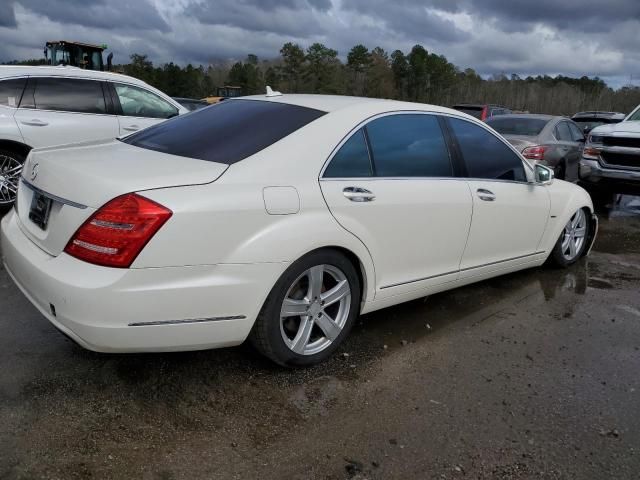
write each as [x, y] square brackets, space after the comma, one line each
[573, 15]
[298, 18]
[8, 16]
[573, 37]
[107, 14]
[411, 19]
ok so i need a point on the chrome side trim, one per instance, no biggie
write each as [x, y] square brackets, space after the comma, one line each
[462, 270]
[189, 320]
[419, 280]
[55, 198]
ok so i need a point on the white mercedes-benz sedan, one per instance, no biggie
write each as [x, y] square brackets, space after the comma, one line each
[280, 219]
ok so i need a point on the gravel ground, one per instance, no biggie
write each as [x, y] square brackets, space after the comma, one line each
[531, 375]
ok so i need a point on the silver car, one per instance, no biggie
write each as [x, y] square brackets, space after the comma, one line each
[556, 142]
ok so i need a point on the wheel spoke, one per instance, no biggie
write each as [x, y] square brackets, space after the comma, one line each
[572, 248]
[328, 326]
[336, 294]
[575, 219]
[316, 275]
[302, 337]
[580, 232]
[294, 308]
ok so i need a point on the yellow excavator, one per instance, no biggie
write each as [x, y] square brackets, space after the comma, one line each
[76, 54]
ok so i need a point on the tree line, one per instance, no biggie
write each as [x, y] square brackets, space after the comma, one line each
[418, 76]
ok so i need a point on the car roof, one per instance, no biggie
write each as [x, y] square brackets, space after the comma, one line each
[535, 116]
[7, 71]
[478, 105]
[598, 114]
[332, 103]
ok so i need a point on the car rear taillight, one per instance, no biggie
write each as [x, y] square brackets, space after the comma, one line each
[484, 114]
[534, 153]
[591, 153]
[117, 232]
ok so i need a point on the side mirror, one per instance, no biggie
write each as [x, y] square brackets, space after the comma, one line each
[586, 130]
[544, 175]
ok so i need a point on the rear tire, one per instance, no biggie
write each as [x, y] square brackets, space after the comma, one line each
[309, 311]
[11, 164]
[560, 172]
[573, 240]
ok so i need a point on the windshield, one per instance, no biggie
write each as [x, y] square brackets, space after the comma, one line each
[226, 132]
[528, 127]
[635, 116]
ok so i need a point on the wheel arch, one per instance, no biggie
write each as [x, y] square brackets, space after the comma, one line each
[565, 201]
[357, 263]
[14, 146]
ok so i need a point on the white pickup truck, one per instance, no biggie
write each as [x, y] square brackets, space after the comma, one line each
[611, 158]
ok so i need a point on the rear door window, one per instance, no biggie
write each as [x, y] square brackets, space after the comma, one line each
[227, 132]
[409, 146]
[563, 133]
[485, 155]
[577, 135]
[352, 160]
[68, 95]
[138, 102]
[11, 92]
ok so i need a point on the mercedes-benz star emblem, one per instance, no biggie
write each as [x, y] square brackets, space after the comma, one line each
[34, 172]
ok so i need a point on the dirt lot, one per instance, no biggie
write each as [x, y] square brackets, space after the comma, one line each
[533, 375]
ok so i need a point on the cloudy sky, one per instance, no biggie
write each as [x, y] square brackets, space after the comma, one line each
[572, 37]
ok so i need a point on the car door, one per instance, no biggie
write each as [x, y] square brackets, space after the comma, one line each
[576, 152]
[509, 212]
[391, 184]
[139, 108]
[570, 150]
[58, 110]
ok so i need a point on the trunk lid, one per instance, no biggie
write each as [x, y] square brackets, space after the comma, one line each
[521, 141]
[79, 179]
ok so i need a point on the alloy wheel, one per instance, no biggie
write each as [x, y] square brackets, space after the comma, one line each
[315, 309]
[574, 235]
[10, 170]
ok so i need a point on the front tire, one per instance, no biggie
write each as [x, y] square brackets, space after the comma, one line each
[572, 242]
[309, 311]
[11, 164]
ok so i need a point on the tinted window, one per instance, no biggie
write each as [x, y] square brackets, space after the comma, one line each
[138, 102]
[227, 132]
[485, 155]
[408, 146]
[11, 92]
[563, 133]
[69, 95]
[530, 127]
[352, 160]
[577, 135]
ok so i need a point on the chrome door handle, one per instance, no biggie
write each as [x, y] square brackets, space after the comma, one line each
[486, 195]
[131, 128]
[34, 123]
[357, 194]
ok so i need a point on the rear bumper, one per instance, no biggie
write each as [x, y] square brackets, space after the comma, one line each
[138, 310]
[614, 180]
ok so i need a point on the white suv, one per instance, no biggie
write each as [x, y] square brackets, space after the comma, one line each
[48, 106]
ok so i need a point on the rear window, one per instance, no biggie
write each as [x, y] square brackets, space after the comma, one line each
[473, 111]
[227, 132]
[530, 127]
